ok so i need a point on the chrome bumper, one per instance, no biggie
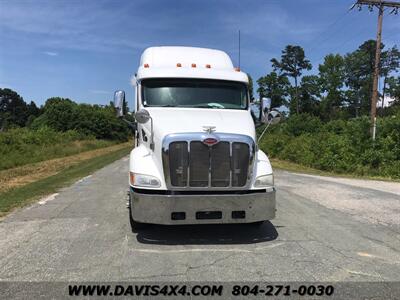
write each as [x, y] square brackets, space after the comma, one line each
[202, 208]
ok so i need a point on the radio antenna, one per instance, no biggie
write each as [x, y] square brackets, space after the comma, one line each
[239, 49]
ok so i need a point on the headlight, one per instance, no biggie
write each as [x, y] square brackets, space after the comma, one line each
[143, 180]
[264, 181]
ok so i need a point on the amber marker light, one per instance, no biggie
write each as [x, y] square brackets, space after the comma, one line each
[131, 178]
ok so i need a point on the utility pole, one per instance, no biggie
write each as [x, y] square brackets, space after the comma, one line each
[381, 6]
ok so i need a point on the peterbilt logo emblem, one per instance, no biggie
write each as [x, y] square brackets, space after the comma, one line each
[209, 129]
[210, 141]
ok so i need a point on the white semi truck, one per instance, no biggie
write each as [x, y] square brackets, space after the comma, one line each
[196, 159]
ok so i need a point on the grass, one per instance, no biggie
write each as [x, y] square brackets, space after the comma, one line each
[15, 177]
[45, 152]
[26, 194]
[22, 146]
[297, 168]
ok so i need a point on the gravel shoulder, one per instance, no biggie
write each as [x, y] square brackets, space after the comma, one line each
[367, 200]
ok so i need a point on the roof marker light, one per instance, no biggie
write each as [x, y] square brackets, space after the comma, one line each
[208, 66]
[178, 65]
[146, 65]
[193, 65]
[237, 69]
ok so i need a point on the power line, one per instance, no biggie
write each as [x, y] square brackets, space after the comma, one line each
[363, 29]
[330, 36]
[345, 42]
[326, 30]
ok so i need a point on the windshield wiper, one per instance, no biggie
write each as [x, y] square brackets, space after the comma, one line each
[203, 106]
[216, 105]
[210, 105]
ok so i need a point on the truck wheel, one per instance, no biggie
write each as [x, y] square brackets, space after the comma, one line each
[135, 226]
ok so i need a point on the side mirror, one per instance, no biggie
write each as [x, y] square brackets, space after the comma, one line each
[142, 116]
[273, 117]
[119, 99]
[265, 107]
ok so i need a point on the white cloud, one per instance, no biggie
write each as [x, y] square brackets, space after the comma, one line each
[50, 53]
[258, 24]
[55, 24]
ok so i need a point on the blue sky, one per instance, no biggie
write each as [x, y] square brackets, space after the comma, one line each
[84, 50]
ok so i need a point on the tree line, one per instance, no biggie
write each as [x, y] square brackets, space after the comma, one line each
[61, 114]
[342, 87]
[328, 123]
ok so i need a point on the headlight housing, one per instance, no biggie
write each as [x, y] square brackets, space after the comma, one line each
[142, 180]
[264, 181]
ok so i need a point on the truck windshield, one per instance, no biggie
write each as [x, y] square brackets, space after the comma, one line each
[194, 93]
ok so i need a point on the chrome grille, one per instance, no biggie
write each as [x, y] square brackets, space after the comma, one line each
[178, 161]
[240, 163]
[220, 164]
[189, 163]
[199, 164]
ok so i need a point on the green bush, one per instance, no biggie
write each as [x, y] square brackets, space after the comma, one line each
[299, 150]
[340, 146]
[301, 124]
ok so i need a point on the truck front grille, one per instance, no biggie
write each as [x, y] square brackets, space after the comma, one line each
[192, 164]
[178, 161]
[199, 164]
[220, 163]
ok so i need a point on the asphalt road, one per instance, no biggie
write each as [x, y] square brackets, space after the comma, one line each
[326, 229]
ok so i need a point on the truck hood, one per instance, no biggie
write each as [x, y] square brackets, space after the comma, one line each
[169, 120]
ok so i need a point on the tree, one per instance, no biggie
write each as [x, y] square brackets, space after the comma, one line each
[359, 70]
[393, 88]
[13, 109]
[331, 74]
[33, 110]
[250, 88]
[292, 63]
[390, 61]
[33, 113]
[59, 114]
[310, 93]
[275, 87]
